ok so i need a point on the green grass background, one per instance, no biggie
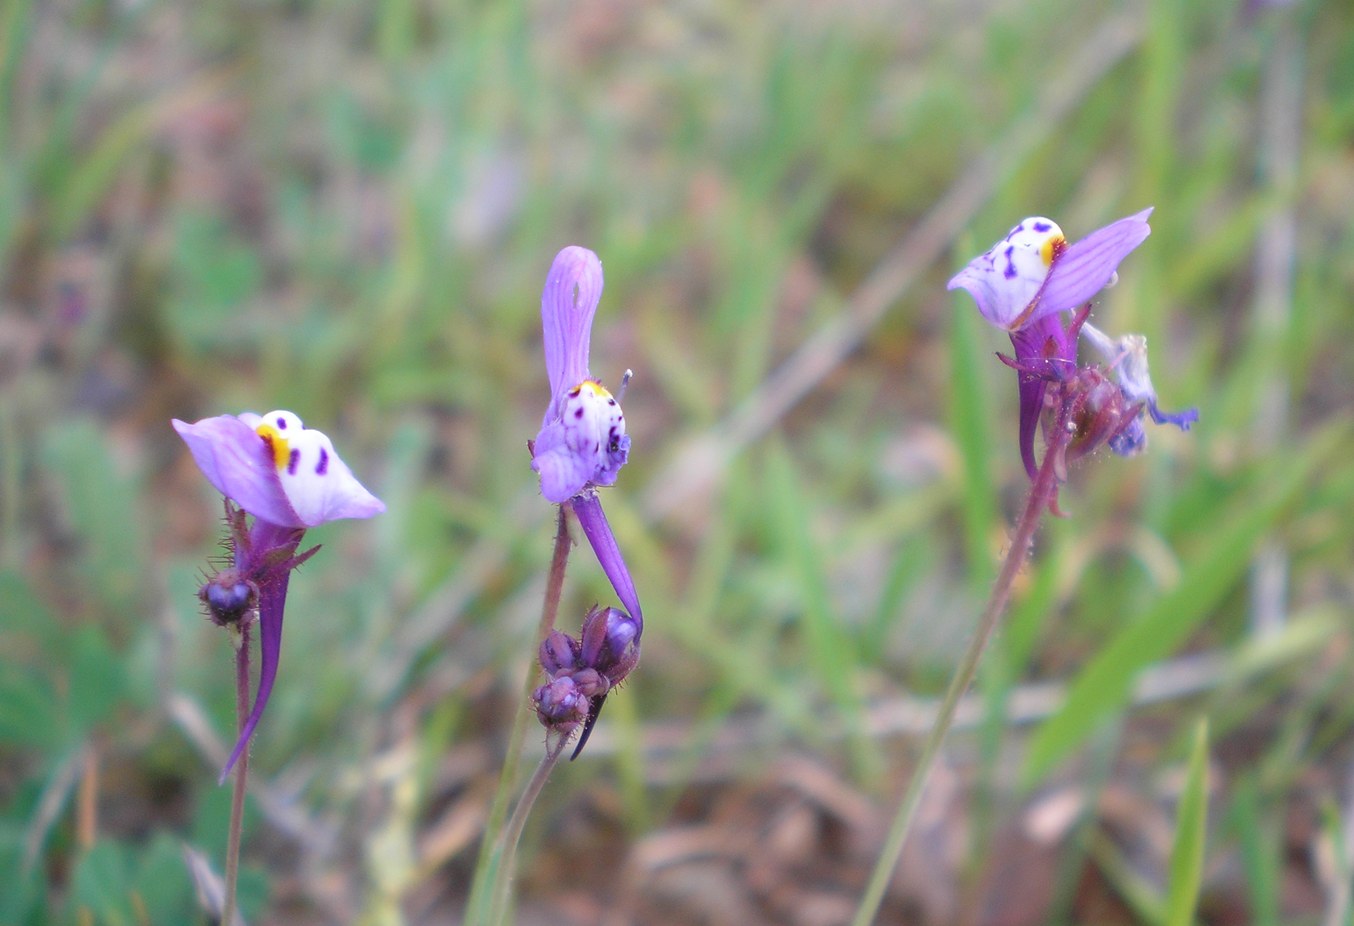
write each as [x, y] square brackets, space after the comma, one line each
[348, 209]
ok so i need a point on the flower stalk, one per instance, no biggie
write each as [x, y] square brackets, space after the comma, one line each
[493, 871]
[241, 775]
[1043, 494]
[512, 835]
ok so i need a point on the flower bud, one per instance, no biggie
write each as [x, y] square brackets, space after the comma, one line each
[608, 643]
[590, 683]
[228, 597]
[560, 705]
[1099, 412]
[559, 653]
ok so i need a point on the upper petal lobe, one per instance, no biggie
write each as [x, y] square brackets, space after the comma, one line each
[1088, 266]
[239, 464]
[568, 303]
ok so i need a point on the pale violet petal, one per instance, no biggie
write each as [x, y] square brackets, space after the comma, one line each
[240, 465]
[563, 474]
[1087, 267]
[568, 303]
[591, 431]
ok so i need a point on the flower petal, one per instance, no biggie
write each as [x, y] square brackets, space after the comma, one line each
[1006, 278]
[563, 472]
[568, 303]
[586, 443]
[238, 463]
[1130, 441]
[1088, 266]
[1181, 420]
[276, 469]
[319, 485]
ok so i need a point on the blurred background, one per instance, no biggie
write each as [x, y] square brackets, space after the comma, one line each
[348, 210]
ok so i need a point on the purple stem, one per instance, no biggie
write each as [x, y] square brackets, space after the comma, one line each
[241, 776]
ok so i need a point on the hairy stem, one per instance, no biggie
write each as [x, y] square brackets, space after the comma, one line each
[228, 913]
[1041, 495]
[493, 869]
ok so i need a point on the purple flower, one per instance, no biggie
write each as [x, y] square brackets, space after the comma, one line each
[1026, 284]
[276, 469]
[582, 439]
[289, 478]
[582, 444]
[1033, 272]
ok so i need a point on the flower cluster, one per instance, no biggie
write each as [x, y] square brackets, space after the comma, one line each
[1038, 288]
[582, 444]
[288, 478]
[582, 671]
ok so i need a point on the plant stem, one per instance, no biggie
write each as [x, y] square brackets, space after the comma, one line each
[513, 834]
[1041, 494]
[228, 913]
[491, 874]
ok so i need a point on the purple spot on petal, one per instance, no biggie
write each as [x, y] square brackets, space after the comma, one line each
[1042, 227]
[323, 466]
[281, 423]
[578, 413]
[1010, 271]
[292, 461]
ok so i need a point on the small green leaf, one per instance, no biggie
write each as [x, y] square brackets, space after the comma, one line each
[101, 504]
[1259, 852]
[97, 679]
[29, 714]
[102, 884]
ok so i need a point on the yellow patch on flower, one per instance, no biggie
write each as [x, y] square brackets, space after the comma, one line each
[592, 387]
[1051, 248]
[276, 442]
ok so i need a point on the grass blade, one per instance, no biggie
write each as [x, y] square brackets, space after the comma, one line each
[1187, 855]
